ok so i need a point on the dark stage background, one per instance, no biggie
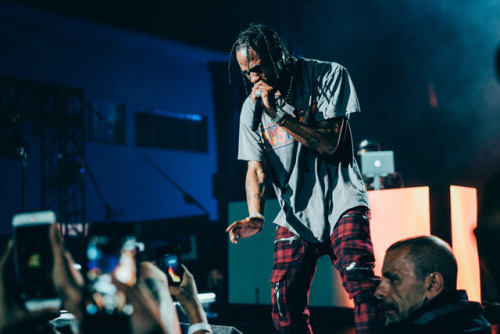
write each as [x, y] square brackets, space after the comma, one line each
[424, 71]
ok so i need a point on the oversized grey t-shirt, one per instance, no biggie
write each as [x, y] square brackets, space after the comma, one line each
[313, 193]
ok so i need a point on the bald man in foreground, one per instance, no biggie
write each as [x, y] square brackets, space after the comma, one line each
[418, 291]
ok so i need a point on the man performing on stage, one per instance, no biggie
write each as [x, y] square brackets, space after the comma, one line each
[303, 142]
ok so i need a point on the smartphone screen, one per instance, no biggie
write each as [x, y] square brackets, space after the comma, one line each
[33, 258]
[168, 260]
[110, 256]
[111, 253]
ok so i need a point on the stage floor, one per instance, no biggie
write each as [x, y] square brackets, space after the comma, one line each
[250, 319]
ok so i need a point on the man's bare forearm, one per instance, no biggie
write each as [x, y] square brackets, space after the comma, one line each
[255, 187]
[323, 138]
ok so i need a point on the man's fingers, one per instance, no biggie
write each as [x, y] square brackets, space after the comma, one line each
[174, 290]
[75, 274]
[235, 229]
[235, 238]
[64, 274]
[232, 226]
[187, 273]
[237, 223]
[262, 86]
[234, 234]
[56, 240]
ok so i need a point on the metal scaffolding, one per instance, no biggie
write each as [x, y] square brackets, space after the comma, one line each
[56, 115]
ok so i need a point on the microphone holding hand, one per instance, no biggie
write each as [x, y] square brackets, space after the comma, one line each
[257, 114]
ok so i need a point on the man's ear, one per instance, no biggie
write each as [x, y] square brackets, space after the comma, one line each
[435, 285]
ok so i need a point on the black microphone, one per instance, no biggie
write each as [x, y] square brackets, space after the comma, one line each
[257, 113]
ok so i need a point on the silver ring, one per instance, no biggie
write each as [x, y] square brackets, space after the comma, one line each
[258, 93]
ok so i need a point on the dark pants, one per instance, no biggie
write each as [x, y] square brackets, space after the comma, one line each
[295, 259]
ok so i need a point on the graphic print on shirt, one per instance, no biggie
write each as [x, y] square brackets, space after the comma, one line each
[274, 137]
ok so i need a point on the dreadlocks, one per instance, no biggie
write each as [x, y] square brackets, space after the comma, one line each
[266, 42]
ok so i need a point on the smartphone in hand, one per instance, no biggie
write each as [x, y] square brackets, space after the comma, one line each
[110, 254]
[33, 258]
[169, 261]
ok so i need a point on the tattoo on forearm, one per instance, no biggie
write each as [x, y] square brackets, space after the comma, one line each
[260, 194]
[312, 142]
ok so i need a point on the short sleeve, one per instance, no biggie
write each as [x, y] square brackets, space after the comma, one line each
[249, 142]
[336, 94]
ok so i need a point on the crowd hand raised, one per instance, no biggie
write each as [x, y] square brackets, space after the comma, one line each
[187, 295]
[15, 318]
[154, 279]
[68, 281]
[244, 228]
[146, 316]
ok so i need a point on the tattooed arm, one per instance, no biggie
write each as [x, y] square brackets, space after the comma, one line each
[323, 137]
[255, 189]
